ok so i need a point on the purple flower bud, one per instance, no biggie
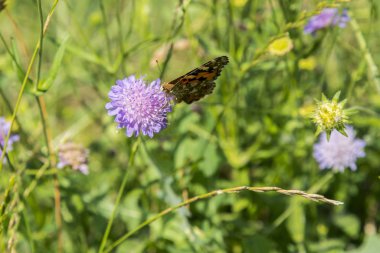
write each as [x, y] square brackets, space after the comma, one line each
[4, 129]
[327, 17]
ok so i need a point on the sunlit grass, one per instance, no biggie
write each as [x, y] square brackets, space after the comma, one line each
[58, 63]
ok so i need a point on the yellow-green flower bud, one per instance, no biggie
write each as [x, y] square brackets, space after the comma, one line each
[329, 115]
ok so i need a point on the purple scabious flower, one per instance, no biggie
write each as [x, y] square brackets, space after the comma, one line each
[4, 129]
[139, 107]
[340, 151]
[327, 17]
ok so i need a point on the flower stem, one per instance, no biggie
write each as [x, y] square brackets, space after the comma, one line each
[314, 197]
[373, 70]
[52, 164]
[119, 195]
[25, 81]
[41, 43]
[108, 40]
[315, 188]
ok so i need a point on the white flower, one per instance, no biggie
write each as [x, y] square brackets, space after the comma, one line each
[340, 151]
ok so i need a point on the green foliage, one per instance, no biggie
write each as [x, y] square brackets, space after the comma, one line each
[254, 130]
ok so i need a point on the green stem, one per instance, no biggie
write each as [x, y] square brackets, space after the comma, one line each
[18, 101]
[11, 54]
[373, 70]
[315, 188]
[47, 134]
[25, 81]
[108, 40]
[322, 182]
[314, 197]
[38, 174]
[327, 56]
[119, 195]
[21, 130]
[175, 28]
[41, 43]
[120, 36]
[52, 164]
[28, 231]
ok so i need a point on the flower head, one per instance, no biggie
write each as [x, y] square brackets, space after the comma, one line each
[280, 46]
[329, 115]
[138, 107]
[307, 63]
[340, 151]
[327, 17]
[4, 129]
[73, 155]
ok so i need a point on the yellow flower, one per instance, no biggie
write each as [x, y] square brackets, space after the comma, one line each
[280, 46]
[307, 63]
[96, 18]
[239, 3]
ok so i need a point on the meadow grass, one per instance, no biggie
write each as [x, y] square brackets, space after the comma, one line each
[253, 134]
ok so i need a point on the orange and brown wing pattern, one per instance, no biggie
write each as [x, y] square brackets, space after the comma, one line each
[197, 83]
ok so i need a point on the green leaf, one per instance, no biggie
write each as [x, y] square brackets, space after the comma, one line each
[371, 245]
[57, 62]
[328, 134]
[186, 152]
[324, 98]
[211, 159]
[349, 224]
[327, 245]
[258, 243]
[296, 221]
[16, 64]
[342, 131]
[336, 97]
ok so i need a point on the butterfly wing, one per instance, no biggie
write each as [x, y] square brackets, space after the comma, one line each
[197, 83]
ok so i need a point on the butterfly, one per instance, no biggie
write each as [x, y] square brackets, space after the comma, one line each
[197, 83]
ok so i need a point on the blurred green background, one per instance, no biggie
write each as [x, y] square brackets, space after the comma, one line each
[253, 130]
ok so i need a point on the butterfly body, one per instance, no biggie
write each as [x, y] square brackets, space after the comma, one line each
[197, 83]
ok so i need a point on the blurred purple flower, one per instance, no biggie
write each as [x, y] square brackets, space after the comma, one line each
[4, 129]
[139, 107]
[340, 151]
[73, 155]
[327, 17]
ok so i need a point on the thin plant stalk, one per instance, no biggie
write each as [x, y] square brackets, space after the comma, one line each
[119, 195]
[121, 36]
[42, 108]
[108, 40]
[373, 70]
[314, 188]
[41, 42]
[52, 164]
[25, 81]
[310, 196]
